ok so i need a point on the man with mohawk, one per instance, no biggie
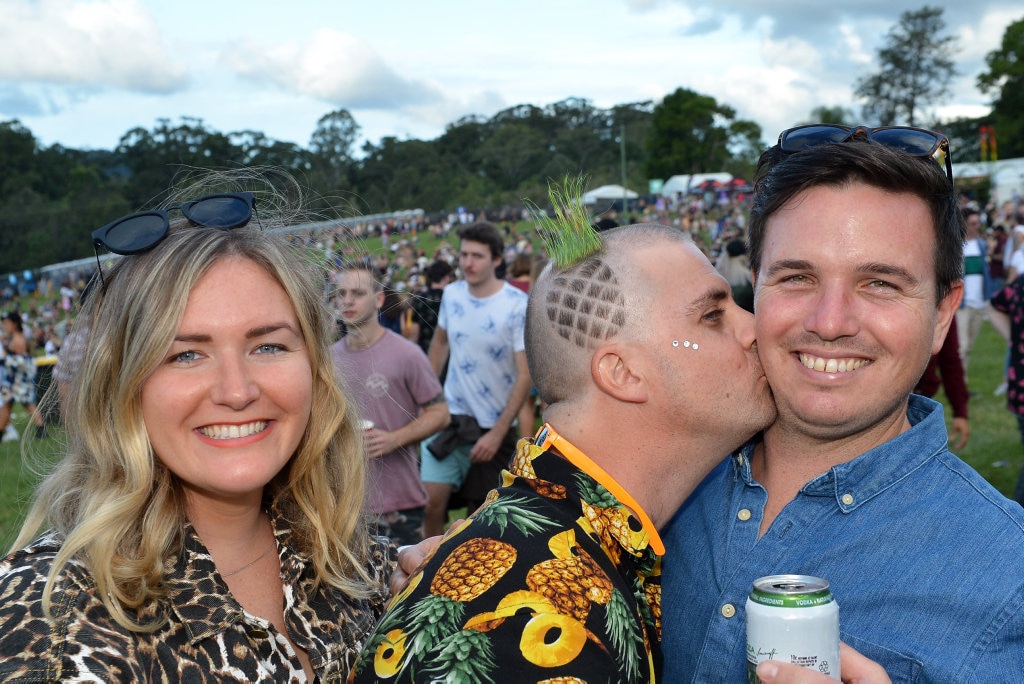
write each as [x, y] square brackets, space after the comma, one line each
[636, 346]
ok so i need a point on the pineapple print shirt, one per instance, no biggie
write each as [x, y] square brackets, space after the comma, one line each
[207, 635]
[556, 578]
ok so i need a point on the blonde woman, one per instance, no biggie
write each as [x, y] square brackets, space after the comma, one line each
[204, 524]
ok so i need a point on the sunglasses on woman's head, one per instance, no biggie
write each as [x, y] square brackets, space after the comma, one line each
[916, 142]
[141, 232]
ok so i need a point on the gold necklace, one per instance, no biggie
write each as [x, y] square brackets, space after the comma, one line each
[250, 563]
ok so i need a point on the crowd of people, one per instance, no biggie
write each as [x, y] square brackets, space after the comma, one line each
[640, 416]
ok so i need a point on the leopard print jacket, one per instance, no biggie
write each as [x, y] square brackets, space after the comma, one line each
[207, 636]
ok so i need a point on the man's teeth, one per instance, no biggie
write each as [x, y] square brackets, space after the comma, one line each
[831, 365]
[233, 431]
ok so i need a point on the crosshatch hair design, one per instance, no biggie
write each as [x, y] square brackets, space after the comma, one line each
[586, 304]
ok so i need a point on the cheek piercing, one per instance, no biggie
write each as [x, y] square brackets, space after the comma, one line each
[686, 343]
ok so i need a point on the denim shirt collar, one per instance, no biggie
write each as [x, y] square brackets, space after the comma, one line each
[856, 481]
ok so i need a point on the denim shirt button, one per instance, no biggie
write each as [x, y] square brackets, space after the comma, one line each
[728, 610]
[848, 499]
[744, 514]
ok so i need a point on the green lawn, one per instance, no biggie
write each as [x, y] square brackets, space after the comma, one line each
[994, 448]
[17, 479]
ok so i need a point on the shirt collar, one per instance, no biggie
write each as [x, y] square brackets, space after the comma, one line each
[859, 480]
[196, 592]
[548, 437]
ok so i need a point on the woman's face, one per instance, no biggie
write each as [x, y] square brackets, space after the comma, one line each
[227, 406]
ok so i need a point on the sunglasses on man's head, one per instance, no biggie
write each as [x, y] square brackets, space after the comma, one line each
[141, 232]
[917, 142]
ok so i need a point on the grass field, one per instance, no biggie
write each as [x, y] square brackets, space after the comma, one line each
[994, 448]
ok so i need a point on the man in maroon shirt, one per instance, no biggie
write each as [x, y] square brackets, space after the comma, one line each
[947, 369]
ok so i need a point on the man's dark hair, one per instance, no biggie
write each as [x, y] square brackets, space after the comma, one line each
[782, 176]
[437, 271]
[485, 233]
[969, 212]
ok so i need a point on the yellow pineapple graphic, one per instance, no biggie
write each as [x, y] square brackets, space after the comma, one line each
[572, 580]
[612, 525]
[549, 638]
[522, 462]
[471, 569]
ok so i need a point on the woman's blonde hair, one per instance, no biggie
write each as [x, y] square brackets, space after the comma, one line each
[113, 504]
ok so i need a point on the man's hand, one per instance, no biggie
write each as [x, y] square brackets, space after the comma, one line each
[856, 669]
[959, 432]
[409, 560]
[379, 442]
[486, 447]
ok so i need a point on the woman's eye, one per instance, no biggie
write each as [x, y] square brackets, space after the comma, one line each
[185, 357]
[269, 348]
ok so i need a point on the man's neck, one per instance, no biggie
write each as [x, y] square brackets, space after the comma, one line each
[364, 336]
[486, 288]
[643, 477]
[788, 458]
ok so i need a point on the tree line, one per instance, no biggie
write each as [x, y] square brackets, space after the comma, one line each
[51, 198]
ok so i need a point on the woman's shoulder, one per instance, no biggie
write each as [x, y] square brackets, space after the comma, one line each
[35, 558]
[35, 644]
[24, 572]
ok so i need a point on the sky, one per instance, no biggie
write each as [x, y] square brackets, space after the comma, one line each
[82, 73]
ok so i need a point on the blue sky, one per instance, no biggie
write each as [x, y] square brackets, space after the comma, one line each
[84, 72]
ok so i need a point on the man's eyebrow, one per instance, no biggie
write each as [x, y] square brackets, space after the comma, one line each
[881, 268]
[787, 265]
[867, 268]
[714, 295]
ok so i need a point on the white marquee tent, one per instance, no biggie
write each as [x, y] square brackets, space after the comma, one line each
[608, 193]
[685, 183]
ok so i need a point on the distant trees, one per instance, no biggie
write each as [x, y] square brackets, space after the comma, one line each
[833, 115]
[1004, 80]
[331, 147]
[692, 133]
[51, 198]
[915, 69]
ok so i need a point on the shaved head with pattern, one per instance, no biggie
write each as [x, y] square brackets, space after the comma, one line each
[573, 310]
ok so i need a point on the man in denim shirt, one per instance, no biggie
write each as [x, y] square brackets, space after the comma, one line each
[857, 252]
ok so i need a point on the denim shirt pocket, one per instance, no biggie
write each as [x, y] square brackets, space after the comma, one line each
[899, 667]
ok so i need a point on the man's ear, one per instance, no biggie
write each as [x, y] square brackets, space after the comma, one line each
[617, 373]
[947, 311]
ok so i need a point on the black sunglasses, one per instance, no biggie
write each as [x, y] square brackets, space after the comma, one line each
[917, 142]
[141, 232]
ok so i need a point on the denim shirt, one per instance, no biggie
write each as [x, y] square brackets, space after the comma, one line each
[924, 557]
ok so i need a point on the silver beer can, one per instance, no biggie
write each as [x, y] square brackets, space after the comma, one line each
[793, 619]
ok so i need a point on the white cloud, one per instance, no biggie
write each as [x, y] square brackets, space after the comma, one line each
[334, 67]
[100, 43]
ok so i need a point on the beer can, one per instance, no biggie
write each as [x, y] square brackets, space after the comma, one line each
[792, 619]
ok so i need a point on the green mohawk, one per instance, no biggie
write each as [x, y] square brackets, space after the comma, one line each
[568, 236]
